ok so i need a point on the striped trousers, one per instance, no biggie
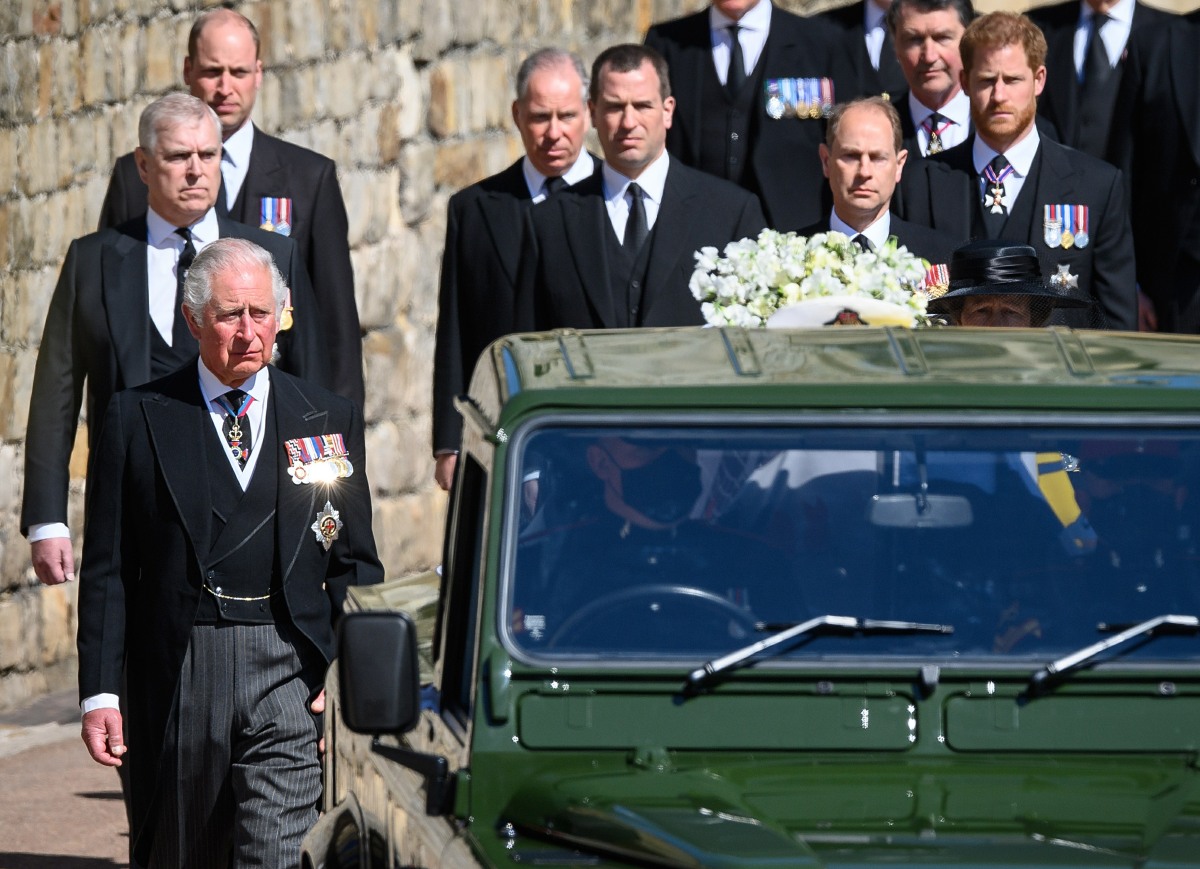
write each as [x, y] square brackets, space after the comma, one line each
[246, 779]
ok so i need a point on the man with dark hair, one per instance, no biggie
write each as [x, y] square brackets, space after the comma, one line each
[230, 512]
[753, 83]
[1157, 145]
[115, 320]
[1085, 57]
[869, 45]
[483, 232]
[934, 111]
[265, 182]
[1009, 182]
[864, 160]
[618, 250]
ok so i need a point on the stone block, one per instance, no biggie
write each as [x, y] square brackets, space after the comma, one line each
[408, 531]
[367, 196]
[306, 30]
[343, 86]
[22, 71]
[378, 268]
[8, 165]
[398, 459]
[385, 355]
[14, 644]
[162, 58]
[55, 623]
[64, 91]
[36, 169]
[387, 134]
[323, 137]
[297, 96]
[436, 32]
[267, 106]
[130, 48]
[416, 181]
[96, 66]
[10, 475]
[26, 297]
[15, 389]
[5, 243]
[460, 164]
[409, 97]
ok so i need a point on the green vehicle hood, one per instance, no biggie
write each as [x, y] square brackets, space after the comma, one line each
[1142, 812]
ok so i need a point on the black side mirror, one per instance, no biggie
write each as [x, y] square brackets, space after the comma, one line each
[378, 674]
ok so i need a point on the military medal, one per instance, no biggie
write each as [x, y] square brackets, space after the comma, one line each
[995, 188]
[1063, 280]
[327, 526]
[318, 459]
[826, 97]
[233, 427]
[775, 105]
[936, 145]
[276, 215]
[1072, 226]
[937, 280]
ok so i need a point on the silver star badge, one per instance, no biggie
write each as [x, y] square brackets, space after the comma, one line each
[1064, 280]
[327, 526]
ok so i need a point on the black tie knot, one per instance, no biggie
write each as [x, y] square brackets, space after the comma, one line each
[999, 164]
[553, 185]
[863, 242]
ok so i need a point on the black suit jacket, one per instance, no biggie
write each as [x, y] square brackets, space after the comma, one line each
[480, 261]
[943, 192]
[564, 278]
[98, 330]
[785, 168]
[889, 78]
[320, 229]
[149, 533]
[1158, 147]
[1060, 101]
[929, 244]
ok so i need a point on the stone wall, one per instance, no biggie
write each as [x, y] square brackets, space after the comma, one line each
[410, 97]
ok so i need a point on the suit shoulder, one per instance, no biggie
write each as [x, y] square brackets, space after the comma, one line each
[509, 181]
[679, 30]
[318, 397]
[1097, 170]
[845, 17]
[1148, 16]
[1056, 15]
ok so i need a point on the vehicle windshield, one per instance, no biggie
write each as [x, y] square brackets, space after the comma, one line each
[677, 541]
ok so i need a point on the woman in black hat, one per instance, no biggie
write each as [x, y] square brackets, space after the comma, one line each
[998, 283]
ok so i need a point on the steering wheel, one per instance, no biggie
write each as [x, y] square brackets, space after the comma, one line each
[670, 605]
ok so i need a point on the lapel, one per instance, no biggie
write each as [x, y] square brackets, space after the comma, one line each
[585, 219]
[501, 211]
[952, 191]
[265, 175]
[297, 505]
[1183, 52]
[1060, 67]
[125, 295]
[178, 423]
[672, 231]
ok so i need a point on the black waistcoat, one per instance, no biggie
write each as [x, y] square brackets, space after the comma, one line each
[163, 357]
[1097, 105]
[725, 124]
[242, 560]
[1020, 215]
[627, 277]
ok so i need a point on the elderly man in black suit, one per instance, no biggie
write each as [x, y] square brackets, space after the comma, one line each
[1009, 182]
[753, 84]
[1085, 56]
[114, 320]
[266, 182]
[230, 513]
[864, 160]
[1157, 144]
[869, 45]
[617, 251]
[935, 113]
[483, 232]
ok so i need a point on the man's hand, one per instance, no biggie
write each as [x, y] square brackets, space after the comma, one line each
[103, 736]
[1147, 318]
[53, 560]
[443, 471]
[318, 708]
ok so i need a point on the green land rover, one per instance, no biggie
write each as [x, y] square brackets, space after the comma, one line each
[827, 598]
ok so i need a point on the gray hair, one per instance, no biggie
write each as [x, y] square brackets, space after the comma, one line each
[225, 255]
[170, 111]
[550, 58]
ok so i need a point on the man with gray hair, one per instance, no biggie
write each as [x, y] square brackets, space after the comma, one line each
[483, 231]
[230, 512]
[115, 319]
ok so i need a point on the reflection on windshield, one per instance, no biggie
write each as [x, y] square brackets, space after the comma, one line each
[683, 541]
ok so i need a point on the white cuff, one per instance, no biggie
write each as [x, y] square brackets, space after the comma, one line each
[47, 531]
[99, 701]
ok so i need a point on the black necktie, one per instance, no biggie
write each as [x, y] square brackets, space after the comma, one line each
[863, 242]
[636, 228]
[737, 63]
[933, 127]
[236, 427]
[179, 331]
[553, 185]
[1096, 68]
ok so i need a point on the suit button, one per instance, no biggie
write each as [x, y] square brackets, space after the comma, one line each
[634, 284]
[211, 574]
[733, 137]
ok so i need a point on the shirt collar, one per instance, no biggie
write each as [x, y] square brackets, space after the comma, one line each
[236, 149]
[872, 16]
[877, 233]
[1122, 11]
[578, 171]
[204, 231]
[757, 18]
[652, 180]
[957, 110]
[1020, 156]
[257, 384]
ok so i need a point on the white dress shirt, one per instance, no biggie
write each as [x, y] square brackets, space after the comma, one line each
[1020, 157]
[958, 110]
[752, 36]
[652, 181]
[536, 181]
[1114, 34]
[235, 160]
[877, 233]
[873, 30]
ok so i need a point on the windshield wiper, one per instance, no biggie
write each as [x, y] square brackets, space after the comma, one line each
[1045, 678]
[700, 678]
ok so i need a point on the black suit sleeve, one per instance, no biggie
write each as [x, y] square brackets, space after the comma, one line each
[332, 277]
[302, 350]
[1114, 277]
[529, 314]
[448, 370]
[55, 399]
